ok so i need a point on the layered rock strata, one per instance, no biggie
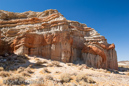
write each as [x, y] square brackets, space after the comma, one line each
[48, 34]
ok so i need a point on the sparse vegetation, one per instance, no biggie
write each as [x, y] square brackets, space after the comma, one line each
[14, 80]
[84, 77]
[49, 77]
[25, 74]
[5, 74]
[58, 72]
[29, 71]
[54, 64]
[20, 69]
[81, 67]
[69, 64]
[65, 77]
[38, 63]
[45, 70]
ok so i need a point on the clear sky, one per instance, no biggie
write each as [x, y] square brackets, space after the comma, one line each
[109, 17]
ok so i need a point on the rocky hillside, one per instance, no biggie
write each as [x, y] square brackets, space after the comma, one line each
[50, 35]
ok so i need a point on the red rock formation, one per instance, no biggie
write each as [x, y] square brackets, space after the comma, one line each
[95, 50]
[50, 35]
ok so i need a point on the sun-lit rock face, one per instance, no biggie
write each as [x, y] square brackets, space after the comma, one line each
[50, 35]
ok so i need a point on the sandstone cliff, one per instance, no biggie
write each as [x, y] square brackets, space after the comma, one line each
[50, 35]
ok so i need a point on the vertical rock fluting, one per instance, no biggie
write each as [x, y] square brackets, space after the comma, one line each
[48, 34]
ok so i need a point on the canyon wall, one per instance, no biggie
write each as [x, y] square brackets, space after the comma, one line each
[48, 34]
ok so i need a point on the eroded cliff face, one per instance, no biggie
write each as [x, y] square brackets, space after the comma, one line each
[50, 35]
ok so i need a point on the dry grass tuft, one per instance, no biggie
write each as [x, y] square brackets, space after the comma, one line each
[85, 78]
[25, 74]
[49, 77]
[58, 72]
[29, 70]
[20, 69]
[65, 77]
[38, 63]
[71, 64]
[5, 74]
[54, 64]
[81, 67]
[14, 80]
[45, 70]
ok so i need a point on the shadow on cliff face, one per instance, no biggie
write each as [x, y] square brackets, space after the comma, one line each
[12, 62]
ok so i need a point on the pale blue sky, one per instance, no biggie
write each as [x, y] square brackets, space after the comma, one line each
[109, 17]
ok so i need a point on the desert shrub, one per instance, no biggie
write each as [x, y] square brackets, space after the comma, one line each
[20, 69]
[65, 77]
[44, 61]
[84, 77]
[57, 72]
[54, 64]
[25, 74]
[5, 74]
[83, 66]
[45, 70]
[29, 70]
[69, 64]
[49, 77]
[39, 63]
[50, 65]
[14, 80]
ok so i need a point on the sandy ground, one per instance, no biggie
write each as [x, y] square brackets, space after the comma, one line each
[101, 77]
